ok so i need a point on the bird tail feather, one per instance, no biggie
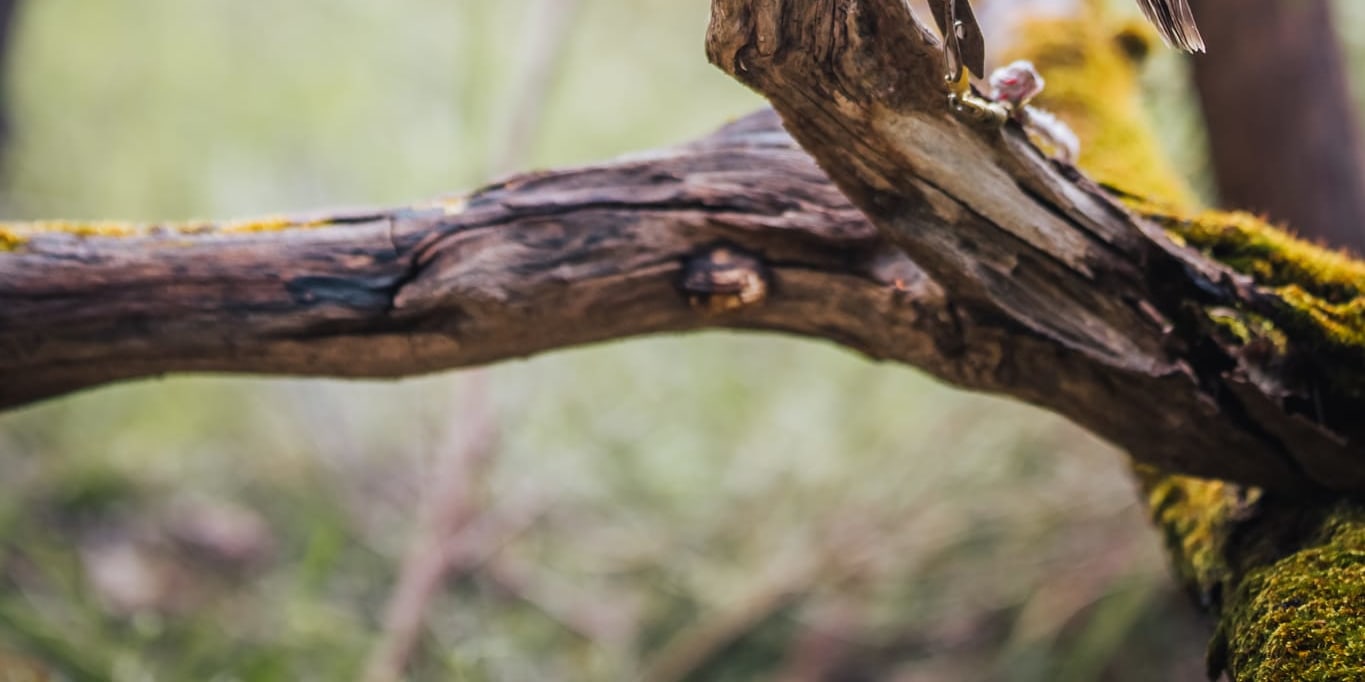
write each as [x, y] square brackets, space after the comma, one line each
[1174, 20]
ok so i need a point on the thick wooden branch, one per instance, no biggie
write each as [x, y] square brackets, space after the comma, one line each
[537, 262]
[1058, 296]
[569, 257]
[1049, 292]
[1113, 311]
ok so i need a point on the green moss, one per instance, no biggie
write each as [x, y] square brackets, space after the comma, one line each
[1338, 324]
[1243, 329]
[1287, 580]
[1293, 613]
[1303, 617]
[1232, 323]
[1271, 255]
[1318, 293]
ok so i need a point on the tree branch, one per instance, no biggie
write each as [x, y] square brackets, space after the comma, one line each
[1053, 294]
[538, 262]
[1059, 296]
[651, 244]
[1282, 574]
[1113, 311]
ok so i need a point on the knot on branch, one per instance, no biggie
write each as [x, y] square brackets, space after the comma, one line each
[722, 279]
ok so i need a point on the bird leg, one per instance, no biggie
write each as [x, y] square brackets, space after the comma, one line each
[964, 53]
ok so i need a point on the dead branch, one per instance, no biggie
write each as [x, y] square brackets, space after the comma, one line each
[739, 231]
[451, 504]
[1282, 574]
[539, 262]
[1102, 308]
[1026, 280]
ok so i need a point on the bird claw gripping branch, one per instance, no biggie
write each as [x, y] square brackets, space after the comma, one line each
[964, 54]
[1012, 86]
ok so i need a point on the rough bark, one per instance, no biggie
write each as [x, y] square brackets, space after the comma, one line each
[1282, 126]
[537, 262]
[1031, 248]
[556, 259]
[1285, 578]
[742, 230]
[1059, 296]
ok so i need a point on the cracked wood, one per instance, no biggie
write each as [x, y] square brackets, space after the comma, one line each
[1113, 306]
[556, 259]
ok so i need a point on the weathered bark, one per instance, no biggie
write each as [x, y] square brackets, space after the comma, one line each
[1024, 245]
[563, 258]
[1059, 296]
[534, 263]
[1282, 126]
[1286, 577]
[1054, 295]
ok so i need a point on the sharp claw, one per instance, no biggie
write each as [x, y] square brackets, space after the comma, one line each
[962, 49]
[977, 109]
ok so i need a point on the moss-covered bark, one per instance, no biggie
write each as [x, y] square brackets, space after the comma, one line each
[1285, 578]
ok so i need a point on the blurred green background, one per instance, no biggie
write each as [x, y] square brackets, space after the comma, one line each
[709, 507]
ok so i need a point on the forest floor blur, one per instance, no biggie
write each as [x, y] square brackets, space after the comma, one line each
[711, 507]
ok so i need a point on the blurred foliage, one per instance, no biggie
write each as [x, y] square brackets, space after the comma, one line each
[719, 506]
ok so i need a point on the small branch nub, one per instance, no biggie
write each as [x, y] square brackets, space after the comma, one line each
[722, 279]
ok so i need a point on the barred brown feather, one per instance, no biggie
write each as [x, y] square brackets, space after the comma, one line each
[1175, 22]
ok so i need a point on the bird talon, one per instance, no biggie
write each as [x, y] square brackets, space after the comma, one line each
[977, 109]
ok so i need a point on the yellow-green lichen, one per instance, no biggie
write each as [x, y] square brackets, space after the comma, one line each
[1194, 515]
[10, 240]
[452, 205]
[1290, 599]
[270, 224]
[1092, 84]
[15, 234]
[101, 228]
[1322, 291]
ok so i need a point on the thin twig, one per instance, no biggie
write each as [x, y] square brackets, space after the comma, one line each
[447, 544]
[790, 579]
[608, 621]
[547, 39]
[451, 504]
